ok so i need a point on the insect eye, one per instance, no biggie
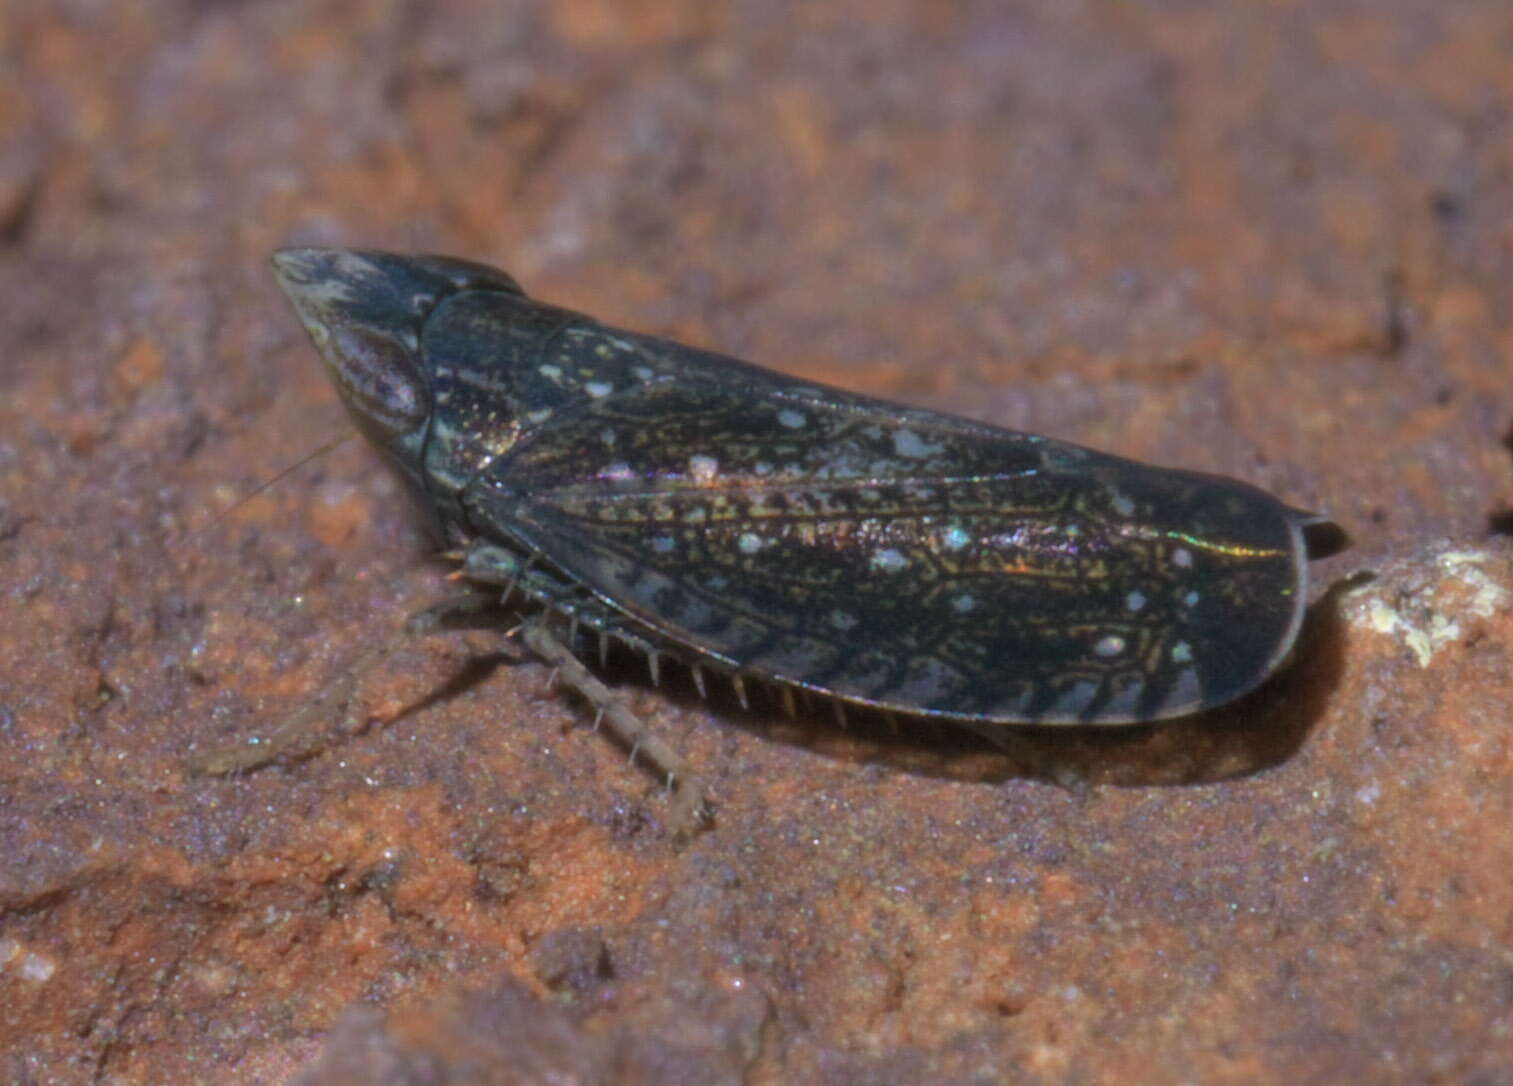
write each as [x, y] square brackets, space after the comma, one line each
[381, 381]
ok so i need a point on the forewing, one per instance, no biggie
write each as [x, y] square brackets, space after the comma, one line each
[907, 560]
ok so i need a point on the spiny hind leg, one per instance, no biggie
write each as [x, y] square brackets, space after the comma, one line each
[690, 810]
[307, 731]
[569, 604]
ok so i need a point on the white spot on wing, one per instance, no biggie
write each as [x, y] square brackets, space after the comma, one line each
[908, 444]
[1109, 645]
[955, 537]
[703, 468]
[889, 560]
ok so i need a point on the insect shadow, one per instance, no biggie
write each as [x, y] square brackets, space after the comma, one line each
[1500, 518]
[1246, 737]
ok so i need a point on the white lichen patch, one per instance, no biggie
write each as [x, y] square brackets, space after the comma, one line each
[38, 967]
[1428, 607]
[1487, 596]
[29, 964]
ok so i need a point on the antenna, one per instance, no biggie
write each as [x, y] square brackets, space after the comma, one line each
[320, 450]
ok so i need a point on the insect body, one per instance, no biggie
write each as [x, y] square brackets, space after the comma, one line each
[765, 526]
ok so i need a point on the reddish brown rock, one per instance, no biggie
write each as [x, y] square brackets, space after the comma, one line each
[1265, 240]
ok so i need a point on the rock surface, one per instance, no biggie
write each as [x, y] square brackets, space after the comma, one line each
[1270, 241]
